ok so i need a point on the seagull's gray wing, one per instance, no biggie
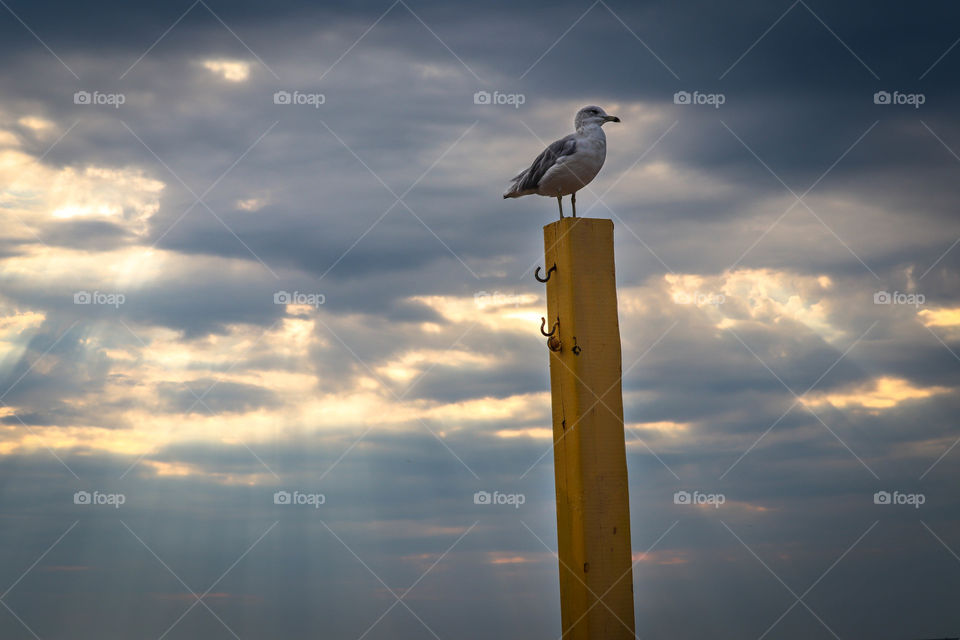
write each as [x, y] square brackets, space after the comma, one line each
[530, 179]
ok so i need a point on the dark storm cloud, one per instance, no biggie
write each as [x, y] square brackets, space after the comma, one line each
[175, 115]
[88, 235]
[219, 397]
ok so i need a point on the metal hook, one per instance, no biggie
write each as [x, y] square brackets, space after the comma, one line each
[536, 274]
[553, 329]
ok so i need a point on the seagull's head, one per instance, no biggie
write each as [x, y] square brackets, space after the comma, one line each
[593, 115]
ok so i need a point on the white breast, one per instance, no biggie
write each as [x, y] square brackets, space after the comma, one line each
[574, 172]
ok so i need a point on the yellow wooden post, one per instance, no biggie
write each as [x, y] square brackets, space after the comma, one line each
[593, 510]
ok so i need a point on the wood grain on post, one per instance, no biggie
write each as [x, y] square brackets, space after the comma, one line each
[593, 509]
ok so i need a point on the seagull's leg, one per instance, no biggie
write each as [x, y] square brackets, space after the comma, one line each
[560, 204]
[573, 201]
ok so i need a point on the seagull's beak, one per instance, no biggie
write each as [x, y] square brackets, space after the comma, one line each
[611, 119]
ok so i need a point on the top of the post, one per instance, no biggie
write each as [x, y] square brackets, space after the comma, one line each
[566, 225]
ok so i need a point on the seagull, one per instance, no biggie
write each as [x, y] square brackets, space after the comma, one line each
[569, 164]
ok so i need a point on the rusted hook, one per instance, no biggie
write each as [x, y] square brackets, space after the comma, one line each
[536, 274]
[553, 329]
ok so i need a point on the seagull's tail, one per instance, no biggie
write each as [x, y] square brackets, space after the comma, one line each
[514, 191]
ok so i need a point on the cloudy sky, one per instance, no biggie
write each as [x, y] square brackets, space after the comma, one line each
[250, 248]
